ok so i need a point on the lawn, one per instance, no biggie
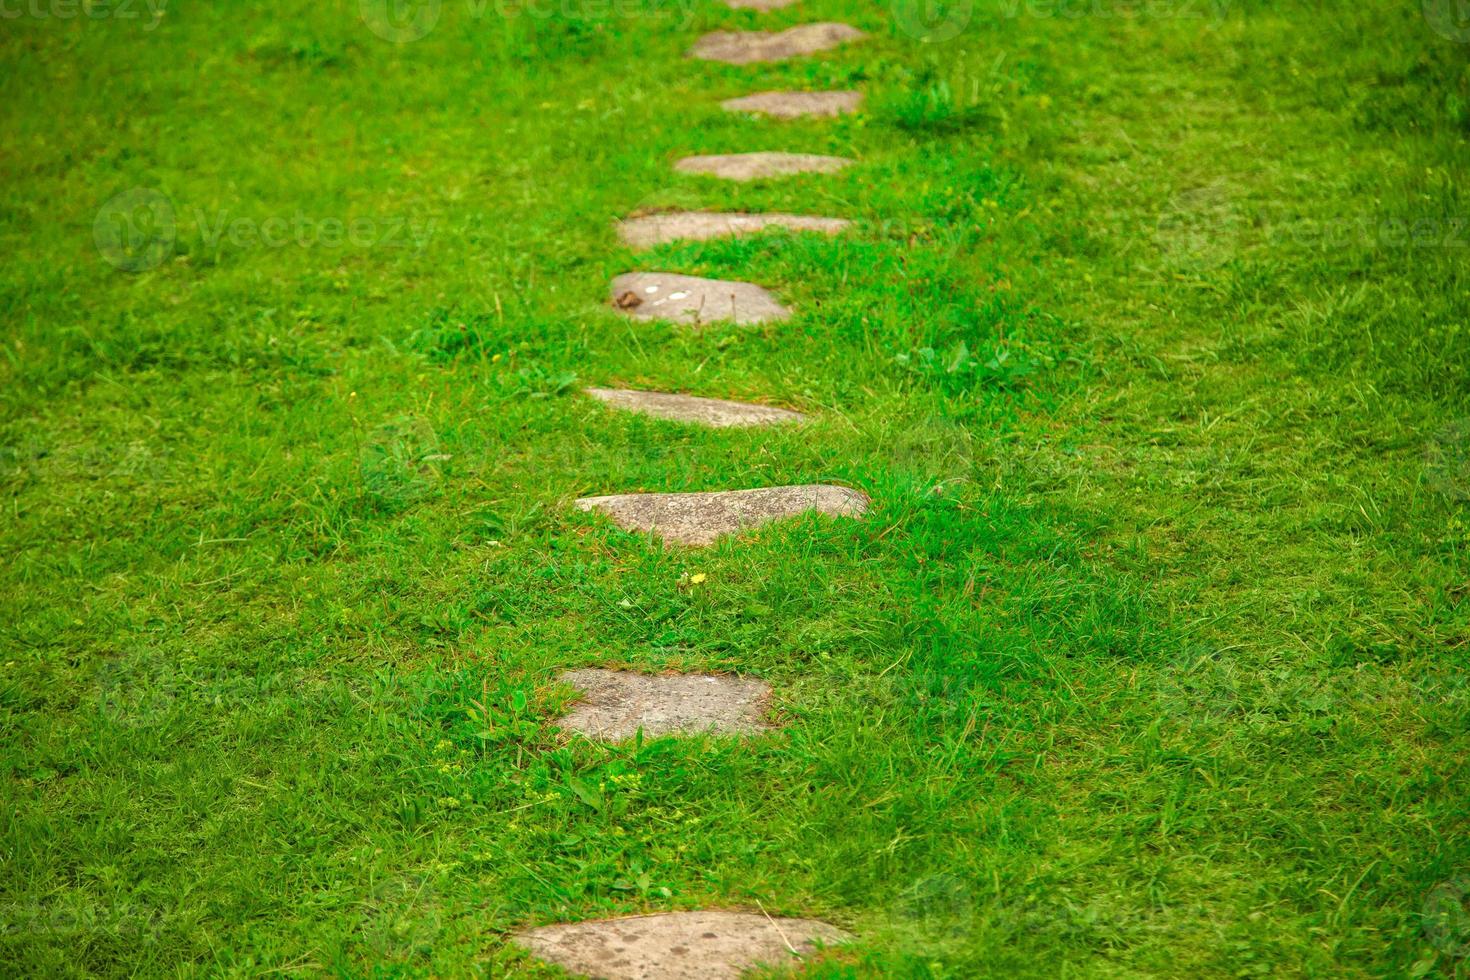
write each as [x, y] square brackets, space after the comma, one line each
[1150, 345]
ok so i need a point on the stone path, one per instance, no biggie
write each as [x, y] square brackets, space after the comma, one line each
[758, 166]
[690, 299]
[794, 105]
[617, 704]
[703, 518]
[706, 945]
[713, 412]
[747, 47]
[697, 226]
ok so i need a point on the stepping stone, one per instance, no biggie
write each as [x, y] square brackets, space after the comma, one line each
[762, 5]
[713, 412]
[697, 226]
[702, 518]
[617, 704]
[706, 945]
[690, 299]
[754, 166]
[794, 105]
[745, 47]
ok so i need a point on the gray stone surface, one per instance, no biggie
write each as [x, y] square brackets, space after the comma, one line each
[617, 704]
[690, 299]
[702, 518]
[745, 47]
[648, 230]
[713, 412]
[794, 105]
[756, 166]
[761, 5]
[715, 944]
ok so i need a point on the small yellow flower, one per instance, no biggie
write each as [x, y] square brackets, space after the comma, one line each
[697, 579]
[1044, 102]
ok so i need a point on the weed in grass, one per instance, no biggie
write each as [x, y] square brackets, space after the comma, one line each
[1008, 365]
[933, 109]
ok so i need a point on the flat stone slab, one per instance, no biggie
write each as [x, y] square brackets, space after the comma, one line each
[795, 105]
[706, 945]
[757, 166]
[618, 704]
[648, 230]
[713, 412]
[761, 5]
[746, 47]
[703, 518]
[690, 299]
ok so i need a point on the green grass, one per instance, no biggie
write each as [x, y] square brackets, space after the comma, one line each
[1150, 346]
